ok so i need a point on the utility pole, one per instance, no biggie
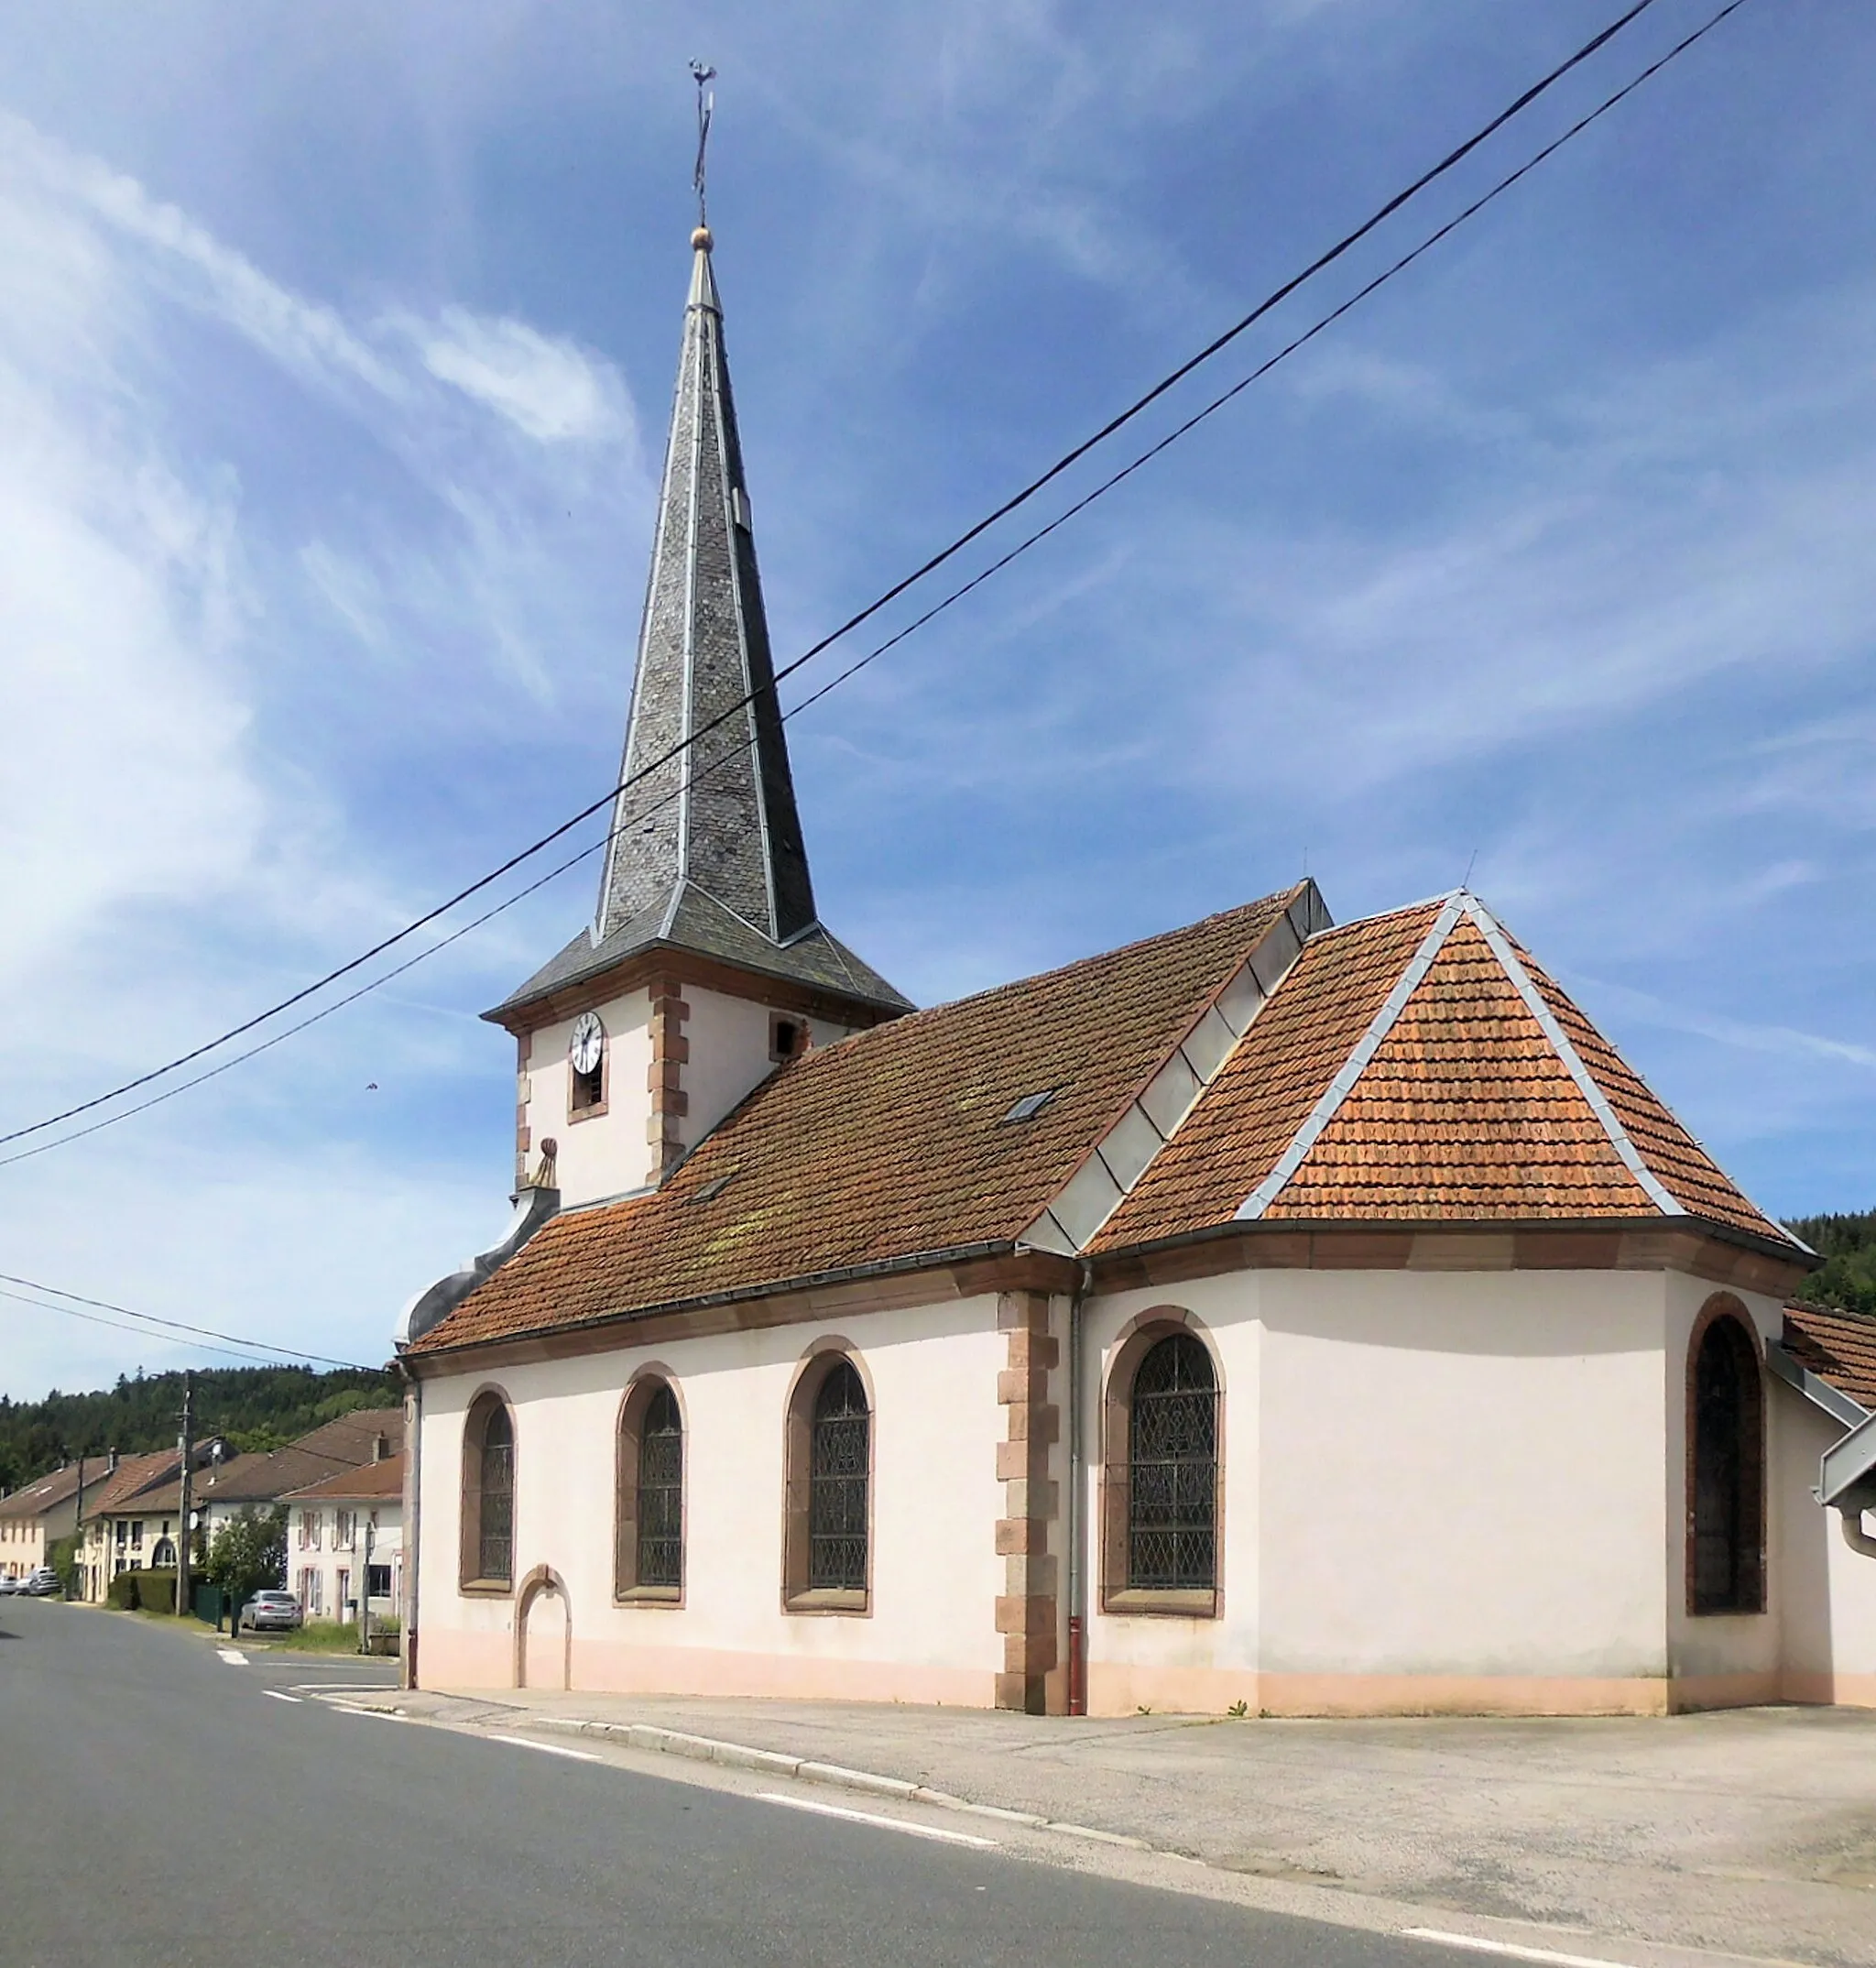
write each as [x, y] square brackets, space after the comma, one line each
[183, 1553]
[365, 1587]
[82, 1572]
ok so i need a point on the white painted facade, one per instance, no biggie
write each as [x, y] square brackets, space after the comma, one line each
[928, 1634]
[607, 1151]
[326, 1546]
[1443, 1490]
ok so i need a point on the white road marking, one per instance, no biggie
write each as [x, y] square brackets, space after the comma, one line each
[1510, 1948]
[867, 1817]
[233, 1655]
[344, 1708]
[343, 1688]
[549, 1749]
[275, 1694]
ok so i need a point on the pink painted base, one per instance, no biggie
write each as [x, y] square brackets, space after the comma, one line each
[469, 1661]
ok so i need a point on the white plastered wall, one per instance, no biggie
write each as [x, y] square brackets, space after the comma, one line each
[729, 1054]
[600, 1154]
[1828, 1590]
[1443, 1491]
[930, 1634]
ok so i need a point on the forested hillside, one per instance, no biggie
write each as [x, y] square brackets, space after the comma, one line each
[255, 1407]
[1847, 1246]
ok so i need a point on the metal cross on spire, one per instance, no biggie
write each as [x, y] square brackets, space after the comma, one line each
[702, 75]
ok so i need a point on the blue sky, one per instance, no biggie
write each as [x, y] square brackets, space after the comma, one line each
[335, 349]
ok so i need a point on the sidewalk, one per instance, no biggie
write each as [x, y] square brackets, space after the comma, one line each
[1746, 1831]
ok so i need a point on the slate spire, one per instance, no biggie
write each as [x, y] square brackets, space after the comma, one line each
[720, 818]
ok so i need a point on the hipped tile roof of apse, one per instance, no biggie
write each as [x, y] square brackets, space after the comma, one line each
[1466, 1112]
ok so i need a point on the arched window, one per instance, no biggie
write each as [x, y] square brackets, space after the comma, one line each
[1725, 1505]
[837, 1485]
[650, 1556]
[488, 1494]
[1172, 1468]
[827, 1542]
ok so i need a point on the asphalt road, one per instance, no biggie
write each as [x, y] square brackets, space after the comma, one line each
[159, 1805]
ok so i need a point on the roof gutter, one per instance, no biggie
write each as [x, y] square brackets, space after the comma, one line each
[1511, 1226]
[1846, 1469]
[963, 1254]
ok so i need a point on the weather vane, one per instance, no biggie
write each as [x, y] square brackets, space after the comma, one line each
[702, 75]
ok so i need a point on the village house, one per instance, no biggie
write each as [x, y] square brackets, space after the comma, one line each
[1274, 1315]
[132, 1522]
[136, 1520]
[345, 1530]
[34, 1517]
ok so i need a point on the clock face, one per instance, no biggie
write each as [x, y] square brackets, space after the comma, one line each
[588, 1043]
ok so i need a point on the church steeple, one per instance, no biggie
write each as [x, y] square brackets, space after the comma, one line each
[721, 816]
[706, 858]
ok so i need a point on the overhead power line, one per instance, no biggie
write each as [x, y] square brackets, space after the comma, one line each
[152, 1319]
[936, 561]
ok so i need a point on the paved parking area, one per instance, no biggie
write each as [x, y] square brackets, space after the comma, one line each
[1749, 1831]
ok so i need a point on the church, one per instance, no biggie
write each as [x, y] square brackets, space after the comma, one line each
[1276, 1315]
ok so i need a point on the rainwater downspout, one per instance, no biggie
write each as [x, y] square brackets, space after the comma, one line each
[1078, 1512]
[411, 1536]
[1854, 1535]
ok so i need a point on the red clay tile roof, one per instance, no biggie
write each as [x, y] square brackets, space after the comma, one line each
[1264, 1092]
[133, 1476]
[1467, 1112]
[889, 1145]
[366, 1485]
[1838, 1347]
[45, 1493]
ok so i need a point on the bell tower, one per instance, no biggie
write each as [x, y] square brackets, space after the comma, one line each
[706, 966]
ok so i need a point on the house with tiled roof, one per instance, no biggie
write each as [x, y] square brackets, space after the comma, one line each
[37, 1514]
[1316, 1317]
[344, 1535]
[133, 1522]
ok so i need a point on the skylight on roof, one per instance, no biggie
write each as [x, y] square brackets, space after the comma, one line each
[1031, 1104]
[714, 1188]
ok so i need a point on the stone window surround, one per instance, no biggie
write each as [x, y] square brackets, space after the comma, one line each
[639, 1392]
[816, 1362]
[594, 1108]
[1129, 1346]
[1724, 1306]
[469, 1579]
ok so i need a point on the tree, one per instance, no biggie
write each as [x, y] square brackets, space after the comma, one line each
[1847, 1243]
[249, 1553]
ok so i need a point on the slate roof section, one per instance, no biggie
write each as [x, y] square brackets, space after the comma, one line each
[1466, 1111]
[889, 1146]
[1838, 1347]
[690, 919]
[705, 851]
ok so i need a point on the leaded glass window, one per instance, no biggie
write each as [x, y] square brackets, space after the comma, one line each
[1727, 1480]
[661, 1492]
[1172, 1468]
[496, 1527]
[838, 1460]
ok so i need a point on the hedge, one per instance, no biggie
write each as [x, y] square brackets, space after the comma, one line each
[143, 1592]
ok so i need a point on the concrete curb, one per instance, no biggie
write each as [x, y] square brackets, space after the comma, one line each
[741, 1757]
